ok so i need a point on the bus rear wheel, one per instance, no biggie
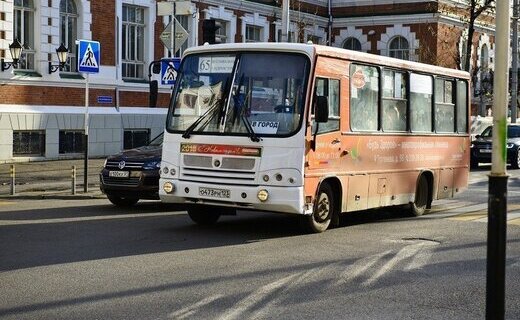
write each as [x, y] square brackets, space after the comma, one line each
[418, 207]
[323, 211]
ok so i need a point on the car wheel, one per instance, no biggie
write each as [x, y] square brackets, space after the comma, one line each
[123, 201]
[516, 161]
[204, 215]
[418, 206]
[323, 211]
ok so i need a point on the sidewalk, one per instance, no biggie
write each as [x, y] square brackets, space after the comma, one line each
[51, 179]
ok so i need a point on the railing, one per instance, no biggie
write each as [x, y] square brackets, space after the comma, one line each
[44, 177]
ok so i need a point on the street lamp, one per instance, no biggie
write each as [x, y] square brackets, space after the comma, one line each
[16, 50]
[62, 53]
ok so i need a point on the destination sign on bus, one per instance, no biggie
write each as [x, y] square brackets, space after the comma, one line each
[220, 149]
[216, 64]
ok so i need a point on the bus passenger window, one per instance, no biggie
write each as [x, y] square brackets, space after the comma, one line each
[444, 106]
[421, 98]
[394, 101]
[330, 89]
[462, 106]
[364, 98]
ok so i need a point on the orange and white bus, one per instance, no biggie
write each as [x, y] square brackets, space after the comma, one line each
[312, 130]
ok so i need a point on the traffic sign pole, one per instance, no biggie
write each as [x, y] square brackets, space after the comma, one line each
[85, 162]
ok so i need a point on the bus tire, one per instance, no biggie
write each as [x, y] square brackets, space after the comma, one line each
[122, 201]
[203, 215]
[323, 211]
[418, 206]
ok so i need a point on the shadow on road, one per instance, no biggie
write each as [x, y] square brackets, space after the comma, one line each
[30, 238]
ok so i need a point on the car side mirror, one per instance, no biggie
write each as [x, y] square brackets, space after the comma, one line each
[321, 112]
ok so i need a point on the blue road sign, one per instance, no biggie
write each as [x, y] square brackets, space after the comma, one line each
[168, 73]
[88, 56]
[104, 99]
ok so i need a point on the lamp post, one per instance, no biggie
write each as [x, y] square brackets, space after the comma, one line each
[15, 49]
[62, 52]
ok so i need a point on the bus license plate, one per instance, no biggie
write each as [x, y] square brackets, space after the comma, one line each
[485, 150]
[119, 174]
[214, 193]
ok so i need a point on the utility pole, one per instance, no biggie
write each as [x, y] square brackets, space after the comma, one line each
[497, 194]
[285, 20]
[514, 67]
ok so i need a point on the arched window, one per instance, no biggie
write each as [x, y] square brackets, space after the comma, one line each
[484, 57]
[399, 48]
[352, 44]
[24, 31]
[69, 31]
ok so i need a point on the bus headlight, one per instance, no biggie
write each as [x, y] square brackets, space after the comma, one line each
[168, 187]
[263, 195]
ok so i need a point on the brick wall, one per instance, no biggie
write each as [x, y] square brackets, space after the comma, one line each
[104, 29]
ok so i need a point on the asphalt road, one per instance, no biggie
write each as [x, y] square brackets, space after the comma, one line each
[85, 259]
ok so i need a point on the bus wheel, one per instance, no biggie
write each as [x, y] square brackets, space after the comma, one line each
[323, 211]
[418, 207]
[203, 215]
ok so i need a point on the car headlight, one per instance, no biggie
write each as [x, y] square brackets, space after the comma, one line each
[105, 164]
[510, 145]
[472, 146]
[152, 165]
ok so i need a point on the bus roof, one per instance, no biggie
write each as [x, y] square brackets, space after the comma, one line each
[313, 50]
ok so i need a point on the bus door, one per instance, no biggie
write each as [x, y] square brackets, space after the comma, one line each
[326, 136]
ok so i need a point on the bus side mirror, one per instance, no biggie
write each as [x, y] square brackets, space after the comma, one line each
[154, 92]
[156, 67]
[321, 113]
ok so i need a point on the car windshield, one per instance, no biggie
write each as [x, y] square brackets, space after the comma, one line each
[252, 94]
[157, 141]
[512, 132]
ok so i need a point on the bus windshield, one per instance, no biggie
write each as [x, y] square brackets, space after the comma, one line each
[250, 94]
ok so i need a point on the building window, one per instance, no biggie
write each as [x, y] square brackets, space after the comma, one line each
[134, 138]
[352, 44]
[314, 39]
[28, 143]
[399, 48]
[71, 141]
[253, 33]
[484, 58]
[69, 32]
[221, 32]
[133, 42]
[24, 31]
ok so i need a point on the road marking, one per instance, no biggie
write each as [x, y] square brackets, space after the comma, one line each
[81, 219]
[404, 253]
[481, 215]
[255, 298]
[4, 203]
[420, 260]
[360, 266]
[515, 222]
[190, 310]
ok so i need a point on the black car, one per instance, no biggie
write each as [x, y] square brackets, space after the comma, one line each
[133, 174]
[481, 146]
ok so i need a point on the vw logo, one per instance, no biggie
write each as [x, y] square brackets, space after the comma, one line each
[216, 163]
[121, 164]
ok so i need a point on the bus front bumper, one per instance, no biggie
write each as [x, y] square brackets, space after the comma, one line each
[279, 199]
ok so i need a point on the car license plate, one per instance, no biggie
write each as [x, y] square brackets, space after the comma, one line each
[214, 193]
[119, 174]
[485, 150]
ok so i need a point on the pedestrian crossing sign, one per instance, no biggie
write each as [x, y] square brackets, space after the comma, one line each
[168, 70]
[88, 56]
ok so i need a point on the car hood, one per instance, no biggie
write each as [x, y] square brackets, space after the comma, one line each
[486, 141]
[139, 154]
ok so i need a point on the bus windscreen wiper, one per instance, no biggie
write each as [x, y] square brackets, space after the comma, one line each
[249, 128]
[192, 127]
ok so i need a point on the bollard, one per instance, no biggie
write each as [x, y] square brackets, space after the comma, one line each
[12, 174]
[73, 174]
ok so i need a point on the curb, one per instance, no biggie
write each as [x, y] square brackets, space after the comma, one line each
[53, 197]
